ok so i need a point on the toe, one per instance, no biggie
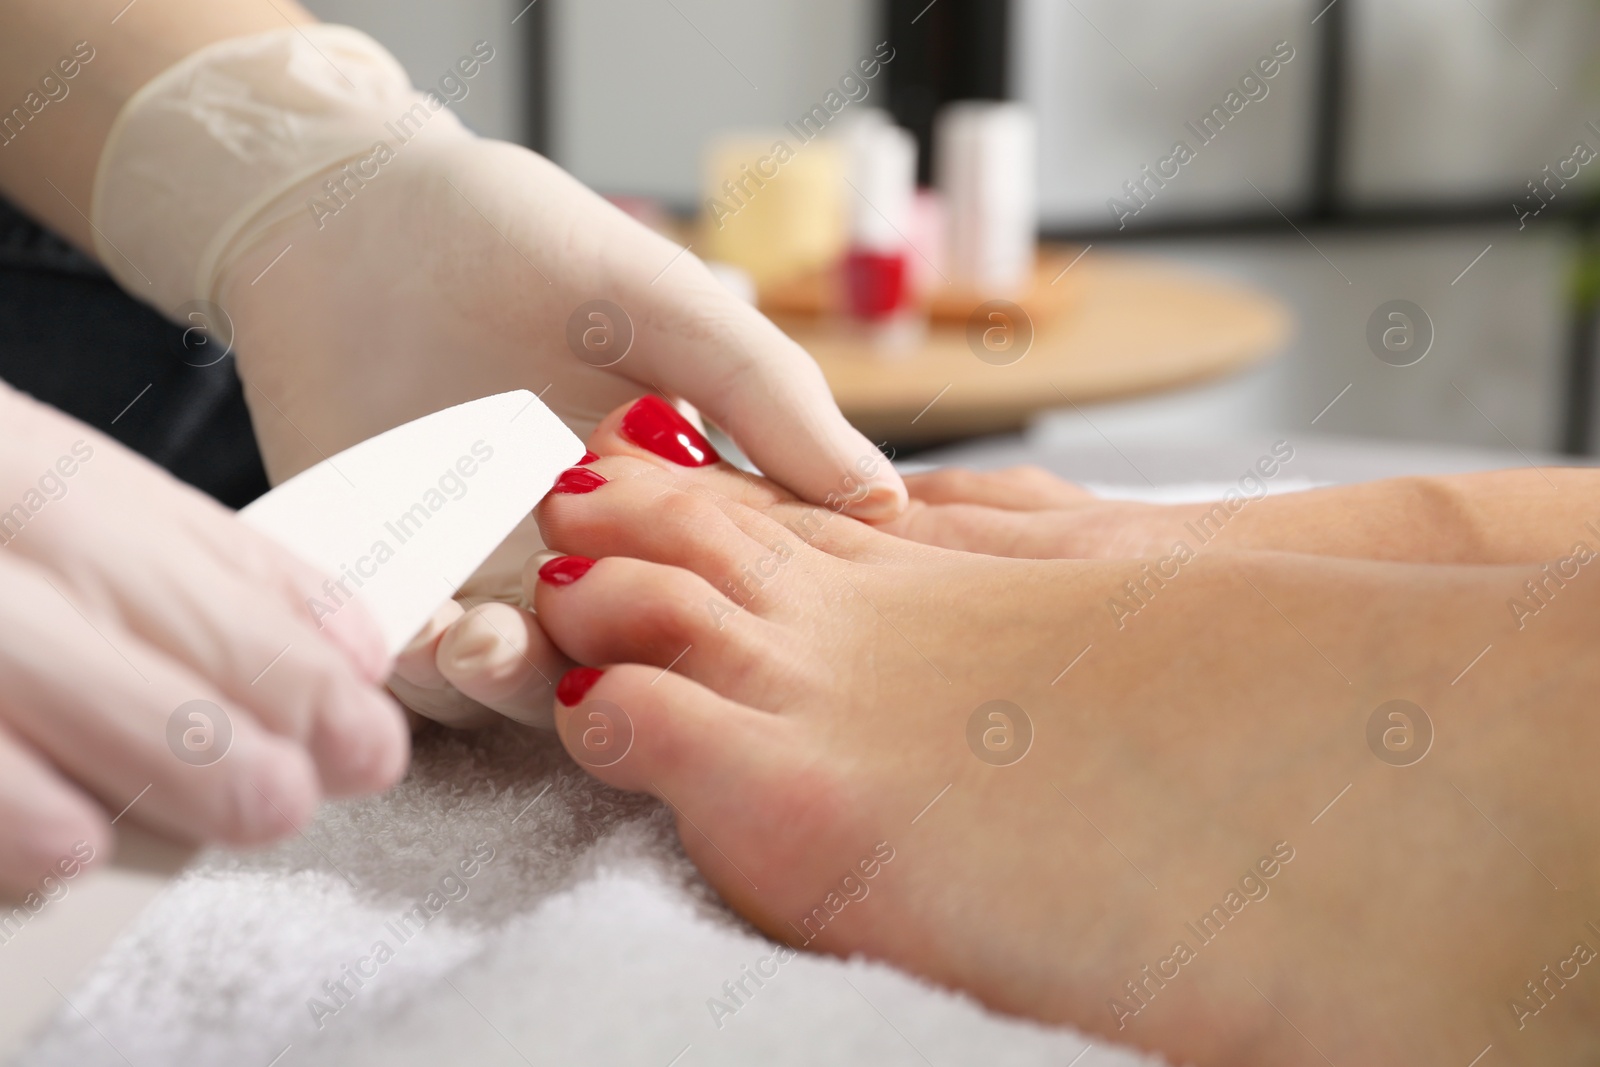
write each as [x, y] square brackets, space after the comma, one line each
[987, 530]
[640, 729]
[755, 799]
[621, 610]
[748, 498]
[646, 731]
[653, 431]
[645, 513]
[1012, 489]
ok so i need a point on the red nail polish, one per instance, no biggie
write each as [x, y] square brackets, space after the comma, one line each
[877, 283]
[577, 480]
[588, 458]
[564, 570]
[655, 425]
[576, 683]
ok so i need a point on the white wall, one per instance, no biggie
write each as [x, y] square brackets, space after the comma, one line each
[643, 83]
[1449, 99]
[428, 36]
[1452, 101]
[1113, 83]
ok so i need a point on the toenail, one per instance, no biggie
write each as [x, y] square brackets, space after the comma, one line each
[577, 480]
[655, 425]
[564, 570]
[576, 683]
[588, 458]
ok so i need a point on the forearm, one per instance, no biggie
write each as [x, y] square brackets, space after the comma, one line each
[59, 143]
[1507, 516]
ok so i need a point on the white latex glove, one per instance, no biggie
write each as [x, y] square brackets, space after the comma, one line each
[452, 268]
[456, 272]
[125, 595]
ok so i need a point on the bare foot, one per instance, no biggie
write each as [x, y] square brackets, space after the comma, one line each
[1025, 513]
[1202, 833]
[1508, 516]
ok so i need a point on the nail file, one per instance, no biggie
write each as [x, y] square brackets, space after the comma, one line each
[397, 523]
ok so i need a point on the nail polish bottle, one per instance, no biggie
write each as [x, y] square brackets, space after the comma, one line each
[985, 155]
[882, 170]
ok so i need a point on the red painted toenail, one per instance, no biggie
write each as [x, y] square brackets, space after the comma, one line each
[655, 425]
[576, 683]
[588, 458]
[577, 480]
[564, 570]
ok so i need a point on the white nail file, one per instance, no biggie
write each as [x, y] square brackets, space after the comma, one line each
[397, 523]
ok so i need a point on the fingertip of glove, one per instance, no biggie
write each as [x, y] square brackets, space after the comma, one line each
[881, 503]
[356, 632]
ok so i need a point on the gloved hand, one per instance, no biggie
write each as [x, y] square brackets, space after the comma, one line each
[448, 267]
[463, 269]
[124, 596]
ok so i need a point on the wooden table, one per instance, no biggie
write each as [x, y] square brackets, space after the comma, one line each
[1131, 326]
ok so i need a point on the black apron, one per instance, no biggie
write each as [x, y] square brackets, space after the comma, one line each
[71, 338]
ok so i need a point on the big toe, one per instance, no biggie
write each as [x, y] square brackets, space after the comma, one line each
[621, 610]
[623, 507]
[652, 430]
[719, 765]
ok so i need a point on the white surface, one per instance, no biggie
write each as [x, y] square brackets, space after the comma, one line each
[1192, 492]
[404, 518]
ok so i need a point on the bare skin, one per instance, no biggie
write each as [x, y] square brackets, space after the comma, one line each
[49, 168]
[818, 721]
[1505, 516]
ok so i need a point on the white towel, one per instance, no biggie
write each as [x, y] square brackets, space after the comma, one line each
[587, 939]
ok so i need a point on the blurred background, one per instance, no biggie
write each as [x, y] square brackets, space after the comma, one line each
[1430, 152]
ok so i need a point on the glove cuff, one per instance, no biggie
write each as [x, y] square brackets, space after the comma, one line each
[199, 159]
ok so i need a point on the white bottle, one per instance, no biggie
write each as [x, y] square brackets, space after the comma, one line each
[881, 162]
[985, 165]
